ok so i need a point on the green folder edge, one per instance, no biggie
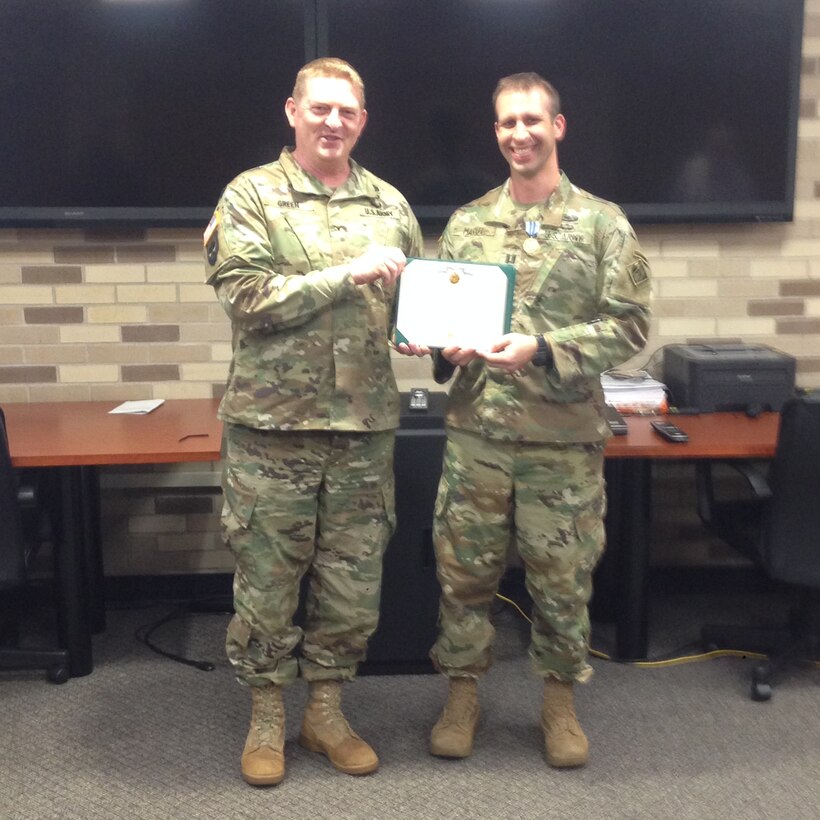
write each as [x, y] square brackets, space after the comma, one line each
[507, 269]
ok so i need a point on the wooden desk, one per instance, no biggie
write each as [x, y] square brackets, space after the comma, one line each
[622, 574]
[76, 438]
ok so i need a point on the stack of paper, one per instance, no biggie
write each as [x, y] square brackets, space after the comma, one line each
[138, 408]
[634, 393]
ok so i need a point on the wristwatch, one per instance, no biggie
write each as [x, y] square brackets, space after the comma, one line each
[543, 355]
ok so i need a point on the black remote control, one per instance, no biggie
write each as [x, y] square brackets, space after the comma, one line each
[419, 398]
[669, 431]
[617, 423]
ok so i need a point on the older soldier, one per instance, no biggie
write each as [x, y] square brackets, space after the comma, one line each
[526, 431]
[304, 254]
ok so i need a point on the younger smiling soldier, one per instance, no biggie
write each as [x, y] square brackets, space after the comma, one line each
[525, 422]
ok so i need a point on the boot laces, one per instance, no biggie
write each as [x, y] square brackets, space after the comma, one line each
[327, 701]
[268, 715]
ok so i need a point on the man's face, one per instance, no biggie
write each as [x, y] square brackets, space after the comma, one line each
[526, 131]
[327, 121]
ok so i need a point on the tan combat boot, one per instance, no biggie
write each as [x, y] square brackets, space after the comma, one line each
[453, 734]
[325, 730]
[263, 760]
[565, 741]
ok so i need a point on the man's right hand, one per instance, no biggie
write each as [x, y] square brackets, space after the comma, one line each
[377, 263]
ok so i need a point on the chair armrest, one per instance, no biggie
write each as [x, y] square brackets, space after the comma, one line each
[751, 471]
[756, 478]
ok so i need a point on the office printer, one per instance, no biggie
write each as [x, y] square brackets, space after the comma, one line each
[728, 376]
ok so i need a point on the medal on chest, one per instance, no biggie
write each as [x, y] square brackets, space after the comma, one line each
[531, 243]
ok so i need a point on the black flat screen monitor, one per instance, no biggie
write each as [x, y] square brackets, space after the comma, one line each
[140, 111]
[679, 110]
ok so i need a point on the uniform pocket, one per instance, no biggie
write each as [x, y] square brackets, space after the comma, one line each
[589, 529]
[240, 501]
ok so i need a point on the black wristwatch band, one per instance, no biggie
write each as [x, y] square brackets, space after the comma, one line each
[543, 355]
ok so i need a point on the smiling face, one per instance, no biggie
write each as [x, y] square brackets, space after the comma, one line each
[527, 132]
[327, 120]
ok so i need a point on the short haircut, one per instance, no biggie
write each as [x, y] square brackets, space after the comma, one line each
[526, 81]
[328, 67]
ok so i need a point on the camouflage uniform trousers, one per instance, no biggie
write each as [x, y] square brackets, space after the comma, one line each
[320, 503]
[549, 501]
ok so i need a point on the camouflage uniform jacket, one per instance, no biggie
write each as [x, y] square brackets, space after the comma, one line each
[310, 347]
[584, 284]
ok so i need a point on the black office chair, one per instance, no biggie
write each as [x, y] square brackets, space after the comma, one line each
[778, 527]
[26, 524]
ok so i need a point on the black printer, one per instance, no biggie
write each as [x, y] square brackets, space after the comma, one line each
[727, 376]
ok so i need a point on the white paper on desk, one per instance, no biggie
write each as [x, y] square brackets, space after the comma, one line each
[454, 304]
[137, 408]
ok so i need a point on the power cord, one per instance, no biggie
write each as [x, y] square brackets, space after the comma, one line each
[143, 634]
[656, 663]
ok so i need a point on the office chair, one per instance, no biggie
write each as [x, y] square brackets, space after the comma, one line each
[778, 527]
[26, 524]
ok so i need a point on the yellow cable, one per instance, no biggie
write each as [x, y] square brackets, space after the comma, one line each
[701, 656]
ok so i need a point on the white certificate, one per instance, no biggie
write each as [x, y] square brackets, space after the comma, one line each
[454, 304]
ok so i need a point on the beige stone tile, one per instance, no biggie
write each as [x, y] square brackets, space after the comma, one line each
[26, 295]
[205, 371]
[57, 354]
[117, 274]
[178, 272]
[89, 334]
[146, 293]
[84, 294]
[178, 353]
[116, 314]
[88, 373]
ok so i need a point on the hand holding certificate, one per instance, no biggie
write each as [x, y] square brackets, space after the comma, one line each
[454, 304]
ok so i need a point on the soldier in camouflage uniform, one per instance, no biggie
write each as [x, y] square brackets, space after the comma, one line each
[303, 254]
[526, 431]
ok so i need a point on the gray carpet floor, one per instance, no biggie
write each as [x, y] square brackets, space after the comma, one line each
[146, 737]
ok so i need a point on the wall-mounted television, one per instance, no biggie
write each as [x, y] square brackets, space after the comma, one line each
[140, 111]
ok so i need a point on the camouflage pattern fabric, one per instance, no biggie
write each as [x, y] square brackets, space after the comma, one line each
[584, 284]
[311, 405]
[549, 500]
[524, 458]
[320, 503]
[310, 348]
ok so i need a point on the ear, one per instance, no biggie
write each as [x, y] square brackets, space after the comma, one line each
[364, 120]
[559, 125]
[290, 111]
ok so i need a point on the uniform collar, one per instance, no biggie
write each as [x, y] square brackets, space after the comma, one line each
[358, 184]
[549, 213]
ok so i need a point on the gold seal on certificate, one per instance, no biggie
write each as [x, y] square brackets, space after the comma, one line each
[531, 245]
[448, 303]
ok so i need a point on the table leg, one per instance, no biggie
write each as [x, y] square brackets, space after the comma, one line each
[92, 547]
[632, 618]
[69, 554]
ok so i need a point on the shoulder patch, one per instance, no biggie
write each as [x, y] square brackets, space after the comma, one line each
[212, 226]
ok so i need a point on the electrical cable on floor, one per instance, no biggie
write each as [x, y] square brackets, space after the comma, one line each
[657, 662]
[143, 633]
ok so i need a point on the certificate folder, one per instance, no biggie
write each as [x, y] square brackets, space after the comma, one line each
[445, 303]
